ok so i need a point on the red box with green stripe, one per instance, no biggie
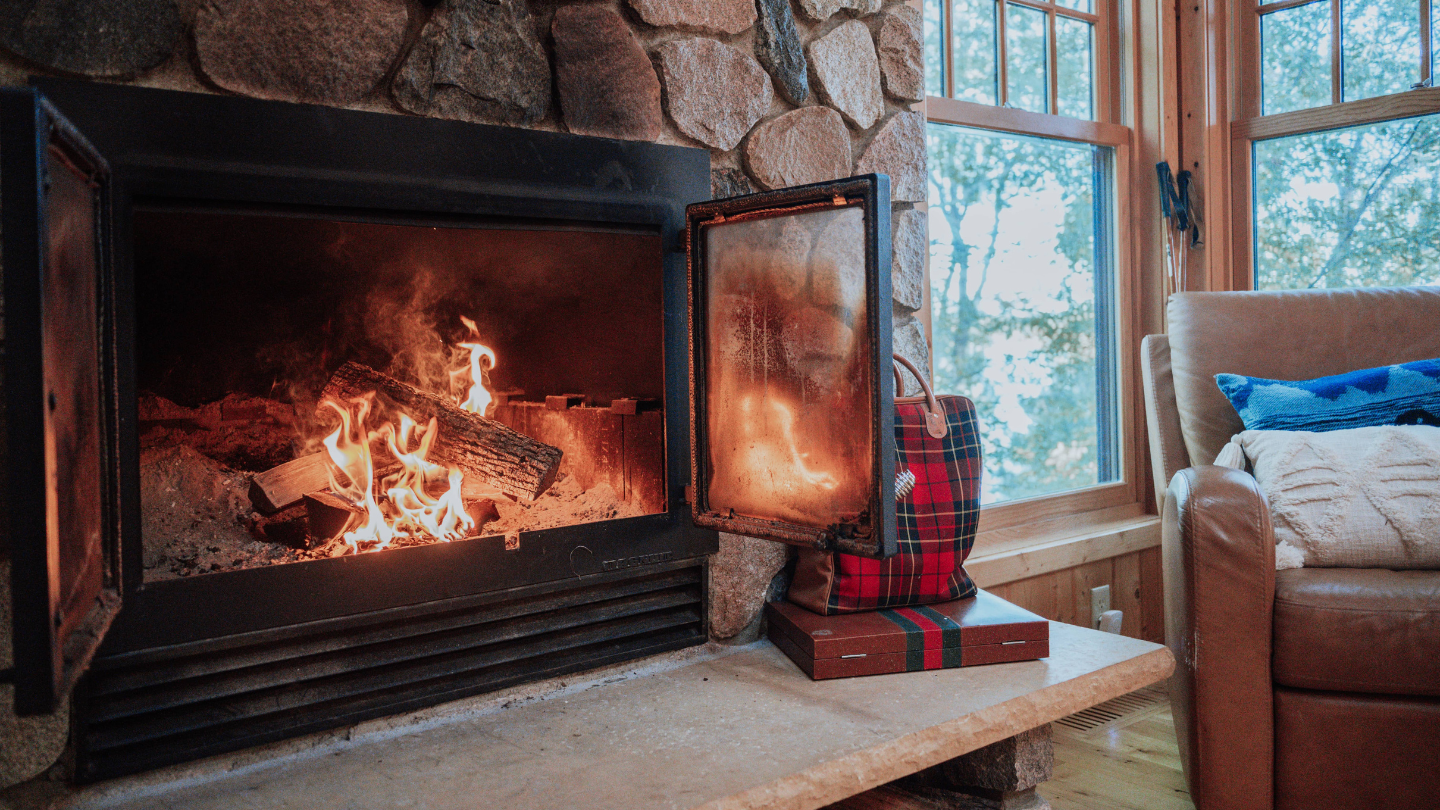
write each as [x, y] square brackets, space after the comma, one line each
[983, 629]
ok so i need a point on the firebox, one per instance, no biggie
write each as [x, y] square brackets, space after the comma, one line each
[318, 415]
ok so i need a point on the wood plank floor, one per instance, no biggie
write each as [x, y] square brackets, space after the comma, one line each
[1130, 764]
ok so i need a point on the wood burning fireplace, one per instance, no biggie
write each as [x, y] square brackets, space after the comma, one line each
[319, 415]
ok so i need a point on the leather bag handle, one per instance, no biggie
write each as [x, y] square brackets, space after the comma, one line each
[935, 423]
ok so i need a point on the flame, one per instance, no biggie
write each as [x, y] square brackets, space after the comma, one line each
[477, 398]
[768, 454]
[421, 499]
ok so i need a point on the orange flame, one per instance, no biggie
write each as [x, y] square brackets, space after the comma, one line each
[477, 398]
[422, 499]
[771, 452]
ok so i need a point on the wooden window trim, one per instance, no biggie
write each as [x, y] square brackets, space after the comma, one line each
[1128, 118]
[1024, 122]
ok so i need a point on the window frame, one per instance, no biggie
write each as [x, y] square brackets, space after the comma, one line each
[1105, 64]
[1134, 135]
[1233, 266]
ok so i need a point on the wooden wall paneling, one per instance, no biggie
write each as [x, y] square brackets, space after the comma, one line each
[1085, 577]
[1064, 596]
[1036, 594]
[1152, 597]
[1064, 588]
[1125, 593]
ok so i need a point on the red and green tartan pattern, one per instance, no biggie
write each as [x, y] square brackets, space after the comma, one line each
[935, 523]
[932, 639]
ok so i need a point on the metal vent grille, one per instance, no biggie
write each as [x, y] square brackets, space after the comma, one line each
[1117, 712]
[156, 708]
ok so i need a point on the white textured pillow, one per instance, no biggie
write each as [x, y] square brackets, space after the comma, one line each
[1359, 498]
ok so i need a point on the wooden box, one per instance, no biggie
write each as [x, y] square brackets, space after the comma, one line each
[983, 629]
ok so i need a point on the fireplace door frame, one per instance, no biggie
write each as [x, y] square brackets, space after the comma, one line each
[61, 613]
[873, 535]
[224, 153]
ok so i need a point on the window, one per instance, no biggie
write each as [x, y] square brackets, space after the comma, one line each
[1024, 258]
[1342, 146]
[1023, 54]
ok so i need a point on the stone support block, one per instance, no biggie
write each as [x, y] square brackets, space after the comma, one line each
[728, 182]
[1017, 763]
[740, 576]
[28, 745]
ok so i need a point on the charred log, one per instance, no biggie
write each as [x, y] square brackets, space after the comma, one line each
[512, 462]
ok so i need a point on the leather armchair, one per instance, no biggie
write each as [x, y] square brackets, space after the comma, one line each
[1311, 688]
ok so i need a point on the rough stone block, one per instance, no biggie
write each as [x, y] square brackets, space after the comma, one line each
[1017, 763]
[607, 85]
[808, 145]
[910, 343]
[703, 16]
[319, 53]
[901, 49]
[740, 576]
[777, 46]
[92, 37]
[714, 92]
[847, 73]
[909, 243]
[477, 60]
[898, 150]
[825, 9]
[729, 183]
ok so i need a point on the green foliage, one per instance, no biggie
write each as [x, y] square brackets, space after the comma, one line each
[1350, 207]
[1031, 344]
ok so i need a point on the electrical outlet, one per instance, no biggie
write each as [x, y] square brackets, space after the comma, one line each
[1099, 603]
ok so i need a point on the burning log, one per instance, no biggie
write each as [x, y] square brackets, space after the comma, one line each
[281, 487]
[512, 462]
[329, 516]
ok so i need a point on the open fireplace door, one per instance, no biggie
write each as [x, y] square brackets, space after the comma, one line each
[61, 496]
[792, 395]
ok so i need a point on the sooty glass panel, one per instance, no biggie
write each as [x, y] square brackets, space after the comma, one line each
[789, 403]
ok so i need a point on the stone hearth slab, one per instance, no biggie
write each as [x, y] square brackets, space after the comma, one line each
[743, 730]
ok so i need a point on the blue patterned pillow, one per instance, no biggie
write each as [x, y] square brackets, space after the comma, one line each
[1389, 395]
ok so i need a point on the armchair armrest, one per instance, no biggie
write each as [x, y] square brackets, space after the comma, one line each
[1219, 568]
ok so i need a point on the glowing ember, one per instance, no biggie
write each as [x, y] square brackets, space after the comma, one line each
[421, 499]
[477, 399]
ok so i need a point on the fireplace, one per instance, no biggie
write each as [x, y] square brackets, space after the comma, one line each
[324, 415]
[245, 320]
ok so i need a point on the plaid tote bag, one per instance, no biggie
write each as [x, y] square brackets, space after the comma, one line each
[937, 441]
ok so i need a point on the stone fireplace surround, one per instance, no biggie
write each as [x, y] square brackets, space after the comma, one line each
[780, 93]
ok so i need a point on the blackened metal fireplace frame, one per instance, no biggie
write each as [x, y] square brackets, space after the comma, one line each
[203, 639]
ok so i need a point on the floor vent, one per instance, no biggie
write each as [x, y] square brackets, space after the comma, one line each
[1119, 712]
